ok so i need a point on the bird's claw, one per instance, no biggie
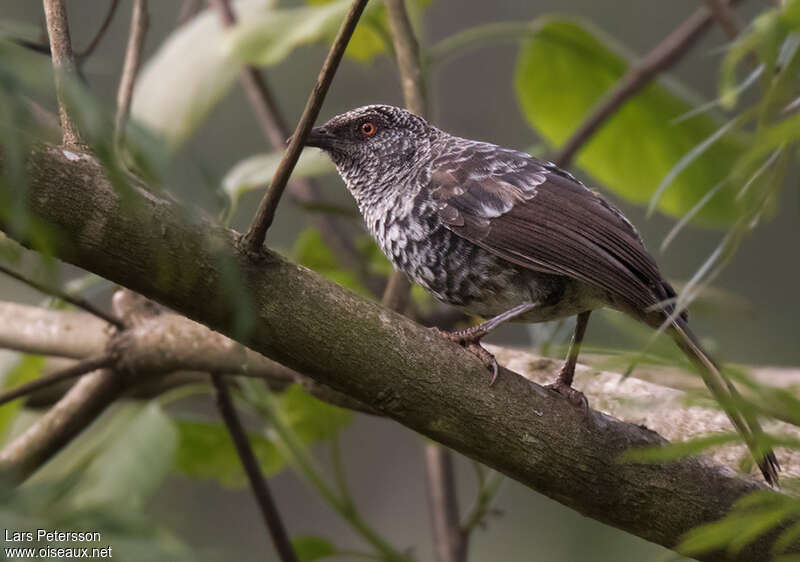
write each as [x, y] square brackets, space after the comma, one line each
[471, 343]
[576, 397]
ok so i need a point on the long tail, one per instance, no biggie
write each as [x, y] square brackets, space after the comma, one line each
[728, 397]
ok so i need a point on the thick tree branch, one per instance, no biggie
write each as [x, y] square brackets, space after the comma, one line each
[62, 333]
[55, 13]
[380, 358]
[269, 511]
[254, 238]
[663, 56]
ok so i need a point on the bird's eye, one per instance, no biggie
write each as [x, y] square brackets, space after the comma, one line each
[368, 128]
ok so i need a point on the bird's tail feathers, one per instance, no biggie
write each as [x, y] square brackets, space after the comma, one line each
[729, 398]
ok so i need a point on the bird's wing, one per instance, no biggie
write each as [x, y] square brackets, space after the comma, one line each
[535, 215]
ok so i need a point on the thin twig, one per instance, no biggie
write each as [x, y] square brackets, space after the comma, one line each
[75, 411]
[268, 114]
[55, 13]
[409, 62]
[725, 17]
[250, 464]
[449, 541]
[254, 238]
[664, 55]
[140, 20]
[61, 295]
[76, 370]
[100, 32]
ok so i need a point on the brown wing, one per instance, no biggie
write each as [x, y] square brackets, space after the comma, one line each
[535, 215]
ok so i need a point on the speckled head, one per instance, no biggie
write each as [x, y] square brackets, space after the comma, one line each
[373, 142]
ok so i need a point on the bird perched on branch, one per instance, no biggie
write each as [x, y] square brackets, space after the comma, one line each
[507, 236]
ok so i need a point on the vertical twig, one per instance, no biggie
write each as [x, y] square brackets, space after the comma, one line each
[76, 370]
[55, 13]
[409, 65]
[254, 238]
[663, 56]
[450, 544]
[257, 481]
[140, 20]
[276, 132]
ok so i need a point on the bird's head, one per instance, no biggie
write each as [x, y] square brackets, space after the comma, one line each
[374, 142]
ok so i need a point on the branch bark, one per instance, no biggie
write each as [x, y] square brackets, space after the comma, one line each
[44, 331]
[379, 358]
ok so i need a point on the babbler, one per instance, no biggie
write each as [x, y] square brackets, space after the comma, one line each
[504, 235]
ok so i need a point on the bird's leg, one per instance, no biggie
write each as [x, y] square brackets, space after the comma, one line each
[563, 383]
[470, 338]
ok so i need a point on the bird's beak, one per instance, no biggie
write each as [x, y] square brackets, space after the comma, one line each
[320, 137]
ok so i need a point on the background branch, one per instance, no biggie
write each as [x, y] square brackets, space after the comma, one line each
[66, 297]
[254, 238]
[450, 543]
[86, 366]
[384, 360]
[130, 67]
[258, 483]
[112, 9]
[55, 13]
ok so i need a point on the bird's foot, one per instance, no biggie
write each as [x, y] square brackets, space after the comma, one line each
[576, 397]
[470, 339]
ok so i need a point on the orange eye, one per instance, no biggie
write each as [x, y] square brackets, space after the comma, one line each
[368, 129]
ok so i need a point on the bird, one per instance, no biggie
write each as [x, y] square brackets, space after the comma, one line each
[506, 236]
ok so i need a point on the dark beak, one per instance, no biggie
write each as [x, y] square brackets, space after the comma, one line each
[320, 138]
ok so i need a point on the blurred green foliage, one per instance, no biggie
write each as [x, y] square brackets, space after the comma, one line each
[566, 68]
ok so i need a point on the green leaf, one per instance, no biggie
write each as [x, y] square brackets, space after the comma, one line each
[565, 69]
[20, 31]
[311, 251]
[309, 548]
[747, 521]
[674, 451]
[269, 38]
[312, 419]
[368, 38]
[29, 367]
[188, 75]
[206, 451]
[130, 467]
[256, 172]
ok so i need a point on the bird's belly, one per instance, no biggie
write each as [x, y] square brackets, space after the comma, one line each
[462, 274]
